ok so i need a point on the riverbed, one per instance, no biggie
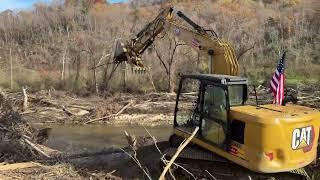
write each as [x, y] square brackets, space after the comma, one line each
[79, 138]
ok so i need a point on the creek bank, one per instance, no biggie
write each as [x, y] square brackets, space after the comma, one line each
[120, 109]
[153, 109]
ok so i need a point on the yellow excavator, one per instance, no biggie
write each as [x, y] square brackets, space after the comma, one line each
[263, 138]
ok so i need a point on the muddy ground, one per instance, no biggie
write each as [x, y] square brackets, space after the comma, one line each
[102, 165]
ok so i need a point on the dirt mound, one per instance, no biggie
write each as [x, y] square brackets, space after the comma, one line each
[15, 134]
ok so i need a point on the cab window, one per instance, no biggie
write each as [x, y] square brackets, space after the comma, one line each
[236, 94]
[214, 122]
[215, 102]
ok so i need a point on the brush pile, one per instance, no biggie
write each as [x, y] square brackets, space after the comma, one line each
[302, 95]
[15, 134]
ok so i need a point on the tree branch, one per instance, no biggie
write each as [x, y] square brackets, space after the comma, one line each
[160, 59]
[241, 53]
[174, 157]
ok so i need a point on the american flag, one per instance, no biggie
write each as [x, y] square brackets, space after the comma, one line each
[277, 82]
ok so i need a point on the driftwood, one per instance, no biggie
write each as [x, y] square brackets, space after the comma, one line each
[34, 146]
[45, 101]
[59, 106]
[28, 112]
[80, 107]
[112, 115]
[25, 99]
[69, 113]
[174, 157]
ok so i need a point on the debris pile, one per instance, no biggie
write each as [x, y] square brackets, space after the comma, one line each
[301, 95]
[16, 134]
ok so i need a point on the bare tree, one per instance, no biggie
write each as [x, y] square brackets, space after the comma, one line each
[167, 60]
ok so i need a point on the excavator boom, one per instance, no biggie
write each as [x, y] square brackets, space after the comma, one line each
[221, 56]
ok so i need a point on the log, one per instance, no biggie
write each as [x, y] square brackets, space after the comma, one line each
[28, 112]
[34, 146]
[69, 113]
[112, 115]
[80, 107]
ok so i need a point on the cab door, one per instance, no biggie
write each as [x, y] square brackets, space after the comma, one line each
[214, 123]
[187, 111]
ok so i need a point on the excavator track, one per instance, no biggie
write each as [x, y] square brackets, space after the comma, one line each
[196, 154]
[206, 165]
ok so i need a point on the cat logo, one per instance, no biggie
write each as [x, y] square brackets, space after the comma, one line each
[302, 138]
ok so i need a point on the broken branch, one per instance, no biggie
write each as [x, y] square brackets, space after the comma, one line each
[34, 146]
[25, 99]
[174, 157]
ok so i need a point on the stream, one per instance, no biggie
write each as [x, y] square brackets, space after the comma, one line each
[78, 138]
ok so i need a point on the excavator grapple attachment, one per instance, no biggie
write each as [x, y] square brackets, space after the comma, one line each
[125, 53]
[119, 52]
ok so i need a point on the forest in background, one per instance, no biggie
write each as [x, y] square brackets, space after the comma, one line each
[68, 46]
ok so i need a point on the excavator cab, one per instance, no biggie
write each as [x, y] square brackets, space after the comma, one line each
[205, 101]
[266, 138]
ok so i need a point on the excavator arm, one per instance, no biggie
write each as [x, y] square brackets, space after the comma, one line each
[221, 56]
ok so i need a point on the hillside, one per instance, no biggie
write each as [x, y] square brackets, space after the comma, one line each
[57, 46]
